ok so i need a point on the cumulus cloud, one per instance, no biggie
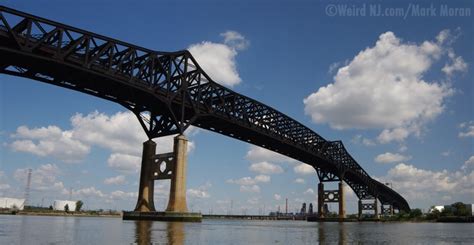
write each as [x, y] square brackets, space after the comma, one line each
[277, 197]
[456, 64]
[235, 40]
[42, 178]
[304, 169]
[89, 192]
[218, 59]
[117, 180]
[468, 129]
[122, 195]
[383, 87]
[250, 188]
[359, 139]
[468, 164]
[299, 181]
[418, 184]
[120, 133]
[266, 168]
[309, 191]
[259, 154]
[124, 163]
[389, 157]
[199, 192]
[250, 180]
[49, 141]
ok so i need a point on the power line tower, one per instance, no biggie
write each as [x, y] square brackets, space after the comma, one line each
[27, 189]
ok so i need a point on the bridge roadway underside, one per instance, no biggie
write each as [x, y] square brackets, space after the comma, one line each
[184, 98]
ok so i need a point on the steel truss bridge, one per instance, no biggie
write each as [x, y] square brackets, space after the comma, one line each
[168, 92]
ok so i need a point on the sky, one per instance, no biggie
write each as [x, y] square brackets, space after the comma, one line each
[396, 89]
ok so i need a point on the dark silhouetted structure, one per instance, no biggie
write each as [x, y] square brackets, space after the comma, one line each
[168, 92]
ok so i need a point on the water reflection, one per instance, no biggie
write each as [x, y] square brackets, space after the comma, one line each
[146, 234]
[332, 233]
[143, 232]
[175, 232]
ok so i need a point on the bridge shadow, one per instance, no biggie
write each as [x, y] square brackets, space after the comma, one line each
[149, 232]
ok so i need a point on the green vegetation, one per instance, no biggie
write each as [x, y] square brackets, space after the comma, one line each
[66, 208]
[79, 205]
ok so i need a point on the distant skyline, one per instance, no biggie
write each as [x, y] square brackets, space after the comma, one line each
[397, 90]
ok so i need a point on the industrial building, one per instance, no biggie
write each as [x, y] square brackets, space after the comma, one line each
[60, 204]
[12, 203]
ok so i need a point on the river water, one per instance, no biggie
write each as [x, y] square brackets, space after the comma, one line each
[95, 230]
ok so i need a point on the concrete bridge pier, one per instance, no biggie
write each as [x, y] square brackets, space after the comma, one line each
[177, 201]
[331, 196]
[158, 167]
[147, 183]
[369, 206]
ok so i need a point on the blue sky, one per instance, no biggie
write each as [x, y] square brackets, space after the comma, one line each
[397, 91]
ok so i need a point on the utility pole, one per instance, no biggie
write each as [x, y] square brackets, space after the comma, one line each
[286, 206]
[27, 189]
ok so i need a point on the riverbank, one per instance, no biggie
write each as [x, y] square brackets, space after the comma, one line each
[62, 213]
[114, 214]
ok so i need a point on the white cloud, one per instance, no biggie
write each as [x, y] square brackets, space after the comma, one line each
[124, 163]
[42, 178]
[468, 164]
[468, 128]
[402, 148]
[395, 134]
[457, 64]
[383, 87]
[259, 154]
[266, 168]
[250, 180]
[123, 195]
[196, 193]
[389, 157]
[277, 197]
[299, 181]
[427, 185]
[120, 132]
[49, 141]
[235, 40]
[304, 169]
[359, 139]
[262, 178]
[200, 192]
[250, 188]
[309, 191]
[445, 153]
[218, 59]
[117, 180]
[88, 192]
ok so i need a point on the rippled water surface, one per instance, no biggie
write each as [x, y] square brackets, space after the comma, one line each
[92, 230]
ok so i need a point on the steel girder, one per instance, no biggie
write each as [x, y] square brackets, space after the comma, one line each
[168, 91]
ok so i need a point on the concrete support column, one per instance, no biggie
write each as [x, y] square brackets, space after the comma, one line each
[321, 200]
[360, 209]
[145, 191]
[376, 209]
[342, 201]
[177, 200]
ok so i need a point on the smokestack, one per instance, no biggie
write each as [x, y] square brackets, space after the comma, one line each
[286, 207]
